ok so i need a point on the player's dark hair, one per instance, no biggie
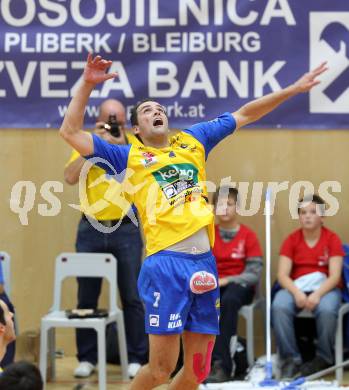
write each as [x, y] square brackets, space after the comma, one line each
[134, 113]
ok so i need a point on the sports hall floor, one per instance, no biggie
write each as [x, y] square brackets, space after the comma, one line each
[65, 379]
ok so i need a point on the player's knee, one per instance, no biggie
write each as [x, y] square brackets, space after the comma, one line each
[161, 373]
[202, 365]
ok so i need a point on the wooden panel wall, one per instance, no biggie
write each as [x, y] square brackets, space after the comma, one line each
[249, 155]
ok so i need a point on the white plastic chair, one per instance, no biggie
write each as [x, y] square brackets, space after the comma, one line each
[344, 309]
[83, 265]
[248, 312]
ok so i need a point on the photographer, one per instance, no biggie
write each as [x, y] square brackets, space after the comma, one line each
[124, 243]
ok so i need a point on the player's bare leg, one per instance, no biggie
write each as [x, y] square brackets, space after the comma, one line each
[197, 361]
[163, 356]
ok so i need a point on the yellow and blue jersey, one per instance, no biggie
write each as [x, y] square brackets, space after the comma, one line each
[167, 185]
[96, 198]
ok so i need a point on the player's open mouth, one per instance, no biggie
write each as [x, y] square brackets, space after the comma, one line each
[158, 122]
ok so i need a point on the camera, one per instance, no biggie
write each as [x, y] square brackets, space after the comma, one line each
[112, 126]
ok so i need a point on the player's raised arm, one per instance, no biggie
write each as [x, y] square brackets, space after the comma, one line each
[71, 129]
[256, 109]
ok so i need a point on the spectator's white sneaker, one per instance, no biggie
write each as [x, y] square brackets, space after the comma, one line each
[132, 369]
[84, 370]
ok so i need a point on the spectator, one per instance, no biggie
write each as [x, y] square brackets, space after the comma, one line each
[21, 376]
[7, 330]
[124, 243]
[239, 264]
[309, 273]
[11, 348]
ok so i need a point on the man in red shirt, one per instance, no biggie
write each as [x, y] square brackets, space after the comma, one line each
[309, 273]
[239, 264]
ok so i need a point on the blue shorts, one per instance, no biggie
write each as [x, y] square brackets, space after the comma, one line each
[180, 292]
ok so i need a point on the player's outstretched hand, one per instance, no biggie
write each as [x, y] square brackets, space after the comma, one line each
[95, 70]
[309, 79]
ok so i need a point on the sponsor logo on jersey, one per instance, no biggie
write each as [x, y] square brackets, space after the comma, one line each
[175, 321]
[175, 179]
[149, 159]
[154, 320]
[202, 281]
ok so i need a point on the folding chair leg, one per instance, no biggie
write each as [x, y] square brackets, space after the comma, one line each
[122, 346]
[102, 375]
[43, 352]
[339, 349]
[250, 339]
[52, 353]
[16, 324]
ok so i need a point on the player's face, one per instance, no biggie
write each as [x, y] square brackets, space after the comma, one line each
[227, 210]
[7, 330]
[152, 121]
[309, 216]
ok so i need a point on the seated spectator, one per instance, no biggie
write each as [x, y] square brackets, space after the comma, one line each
[309, 273]
[7, 331]
[239, 264]
[21, 376]
[11, 348]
